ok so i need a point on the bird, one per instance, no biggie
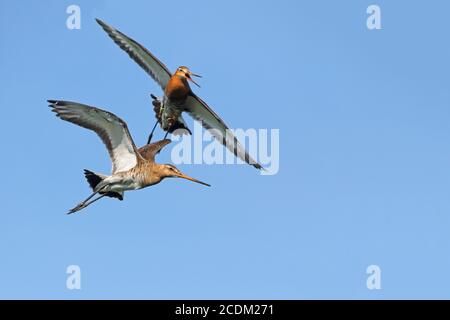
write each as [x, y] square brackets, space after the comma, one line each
[132, 168]
[178, 96]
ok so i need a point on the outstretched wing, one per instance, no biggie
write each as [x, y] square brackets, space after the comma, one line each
[149, 151]
[155, 68]
[111, 129]
[200, 111]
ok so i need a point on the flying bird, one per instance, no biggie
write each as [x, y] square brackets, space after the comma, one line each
[132, 168]
[178, 96]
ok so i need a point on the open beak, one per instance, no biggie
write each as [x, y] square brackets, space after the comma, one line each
[190, 75]
[182, 175]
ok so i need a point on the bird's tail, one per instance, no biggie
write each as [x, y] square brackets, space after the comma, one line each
[94, 179]
[179, 126]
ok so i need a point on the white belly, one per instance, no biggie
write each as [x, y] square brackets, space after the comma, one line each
[119, 184]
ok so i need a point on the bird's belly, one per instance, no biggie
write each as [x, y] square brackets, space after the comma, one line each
[123, 185]
[171, 112]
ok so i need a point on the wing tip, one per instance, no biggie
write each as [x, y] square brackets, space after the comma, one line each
[106, 27]
[101, 23]
[53, 103]
[61, 103]
[57, 106]
[258, 166]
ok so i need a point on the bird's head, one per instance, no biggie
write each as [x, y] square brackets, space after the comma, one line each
[170, 171]
[185, 73]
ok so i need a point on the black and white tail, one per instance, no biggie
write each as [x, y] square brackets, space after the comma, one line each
[94, 179]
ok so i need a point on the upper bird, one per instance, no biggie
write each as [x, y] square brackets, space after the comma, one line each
[178, 96]
[132, 168]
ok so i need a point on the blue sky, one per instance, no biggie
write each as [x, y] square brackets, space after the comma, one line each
[364, 152]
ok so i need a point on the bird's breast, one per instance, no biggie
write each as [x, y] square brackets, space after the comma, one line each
[176, 90]
[146, 174]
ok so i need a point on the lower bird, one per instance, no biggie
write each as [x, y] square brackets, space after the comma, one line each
[132, 168]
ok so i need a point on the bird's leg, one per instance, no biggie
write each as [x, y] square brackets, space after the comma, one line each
[159, 112]
[151, 134]
[167, 133]
[86, 204]
[83, 204]
[171, 123]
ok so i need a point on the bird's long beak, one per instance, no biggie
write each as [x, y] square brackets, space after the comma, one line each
[184, 176]
[190, 75]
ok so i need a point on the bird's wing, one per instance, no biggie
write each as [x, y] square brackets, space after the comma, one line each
[200, 111]
[149, 151]
[155, 68]
[111, 129]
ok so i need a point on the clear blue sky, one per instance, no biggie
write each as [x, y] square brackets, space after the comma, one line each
[364, 152]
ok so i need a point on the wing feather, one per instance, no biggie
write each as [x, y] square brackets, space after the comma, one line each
[149, 151]
[111, 129]
[155, 68]
[200, 111]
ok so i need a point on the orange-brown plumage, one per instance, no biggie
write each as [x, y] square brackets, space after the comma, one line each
[177, 88]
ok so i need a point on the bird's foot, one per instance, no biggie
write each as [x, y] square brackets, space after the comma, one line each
[77, 208]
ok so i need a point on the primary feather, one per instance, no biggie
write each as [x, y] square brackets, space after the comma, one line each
[111, 129]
